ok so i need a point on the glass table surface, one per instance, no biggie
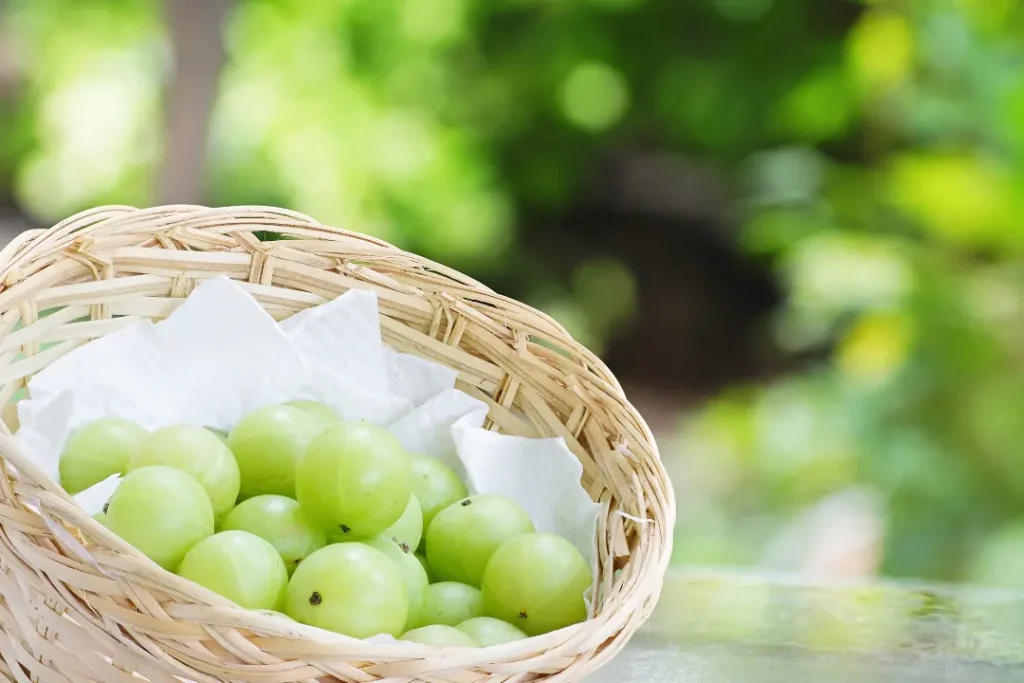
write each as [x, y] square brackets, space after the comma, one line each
[731, 627]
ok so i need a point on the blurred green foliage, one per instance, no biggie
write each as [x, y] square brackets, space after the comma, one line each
[876, 151]
[890, 207]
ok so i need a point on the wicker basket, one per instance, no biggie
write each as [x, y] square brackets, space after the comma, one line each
[77, 604]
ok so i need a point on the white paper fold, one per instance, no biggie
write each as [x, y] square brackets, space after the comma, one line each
[220, 356]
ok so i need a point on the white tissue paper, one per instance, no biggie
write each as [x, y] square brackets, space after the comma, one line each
[220, 356]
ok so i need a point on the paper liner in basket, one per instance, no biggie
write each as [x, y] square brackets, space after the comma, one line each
[220, 356]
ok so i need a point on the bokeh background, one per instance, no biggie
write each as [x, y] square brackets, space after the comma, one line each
[792, 227]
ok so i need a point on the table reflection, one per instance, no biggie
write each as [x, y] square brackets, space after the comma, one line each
[732, 627]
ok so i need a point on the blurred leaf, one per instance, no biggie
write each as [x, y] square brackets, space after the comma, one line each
[880, 50]
[875, 347]
[606, 289]
[771, 231]
[743, 11]
[819, 108]
[835, 272]
[961, 198]
[988, 14]
[595, 96]
[786, 176]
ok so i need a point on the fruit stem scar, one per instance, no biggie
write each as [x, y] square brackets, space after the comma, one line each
[105, 506]
[345, 528]
[315, 598]
[522, 615]
[466, 502]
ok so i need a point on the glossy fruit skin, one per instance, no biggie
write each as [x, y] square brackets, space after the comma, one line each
[354, 478]
[279, 520]
[426, 567]
[435, 485]
[198, 452]
[413, 574]
[98, 450]
[320, 412]
[268, 444]
[408, 530]
[162, 511]
[536, 582]
[219, 433]
[438, 635]
[488, 631]
[348, 588]
[239, 566]
[450, 603]
[464, 535]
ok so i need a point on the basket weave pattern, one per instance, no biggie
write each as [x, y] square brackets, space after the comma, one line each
[78, 604]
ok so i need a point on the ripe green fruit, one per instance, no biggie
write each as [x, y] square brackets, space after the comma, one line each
[536, 581]
[239, 566]
[98, 450]
[435, 485]
[408, 530]
[348, 588]
[162, 511]
[488, 631]
[354, 478]
[413, 575]
[198, 452]
[426, 567]
[267, 444]
[451, 603]
[320, 412]
[464, 535]
[279, 521]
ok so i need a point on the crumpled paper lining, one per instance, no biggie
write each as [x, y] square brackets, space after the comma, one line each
[220, 356]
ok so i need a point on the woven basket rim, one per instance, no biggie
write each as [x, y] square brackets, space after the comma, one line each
[117, 262]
